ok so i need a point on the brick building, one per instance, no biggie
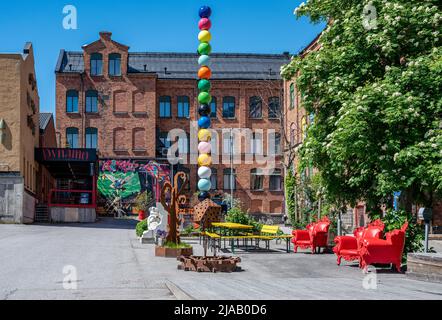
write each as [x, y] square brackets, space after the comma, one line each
[19, 135]
[124, 104]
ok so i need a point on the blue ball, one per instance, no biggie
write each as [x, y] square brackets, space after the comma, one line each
[204, 122]
[204, 185]
[205, 12]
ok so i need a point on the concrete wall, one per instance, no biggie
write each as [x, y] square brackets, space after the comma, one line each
[72, 215]
[11, 198]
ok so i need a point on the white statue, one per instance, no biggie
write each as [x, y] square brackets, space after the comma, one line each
[156, 221]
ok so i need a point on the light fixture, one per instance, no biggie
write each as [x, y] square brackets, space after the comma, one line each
[2, 130]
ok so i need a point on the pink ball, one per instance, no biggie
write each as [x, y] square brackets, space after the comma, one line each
[204, 147]
[205, 24]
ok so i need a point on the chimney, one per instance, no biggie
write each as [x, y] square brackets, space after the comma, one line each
[106, 36]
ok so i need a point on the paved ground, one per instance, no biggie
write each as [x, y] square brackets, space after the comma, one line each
[112, 264]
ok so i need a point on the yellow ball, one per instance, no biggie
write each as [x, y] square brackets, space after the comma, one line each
[204, 135]
[204, 160]
[204, 36]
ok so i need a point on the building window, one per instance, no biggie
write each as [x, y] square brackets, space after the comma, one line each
[214, 179]
[275, 144]
[120, 140]
[276, 180]
[256, 180]
[139, 139]
[72, 101]
[115, 64]
[213, 108]
[183, 107]
[96, 64]
[292, 96]
[256, 145]
[91, 101]
[229, 107]
[274, 108]
[229, 179]
[165, 108]
[91, 138]
[183, 145]
[72, 138]
[255, 108]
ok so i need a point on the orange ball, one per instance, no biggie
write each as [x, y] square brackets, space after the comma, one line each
[205, 73]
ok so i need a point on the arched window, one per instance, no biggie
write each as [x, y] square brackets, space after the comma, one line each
[120, 140]
[91, 101]
[91, 138]
[139, 139]
[292, 96]
[213, 108]
[183, 107]
[276, 180]
[96, 64]
[255, 108]
[72, 138]
[115, 64]
[256, 180]
[229, 179]
[72, 101]
[274, 108]
[229, 107]
[165, 108]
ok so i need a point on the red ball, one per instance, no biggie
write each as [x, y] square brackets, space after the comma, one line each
[205, 24]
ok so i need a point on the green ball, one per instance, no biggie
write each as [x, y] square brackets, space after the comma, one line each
[204, 98]
[204, 48]
[204, 85]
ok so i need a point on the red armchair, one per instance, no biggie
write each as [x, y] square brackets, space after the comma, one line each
[347, 246]
[384, 251]
[316, 236]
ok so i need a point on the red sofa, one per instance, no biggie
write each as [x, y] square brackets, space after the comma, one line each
[316, 236]
[384, 251]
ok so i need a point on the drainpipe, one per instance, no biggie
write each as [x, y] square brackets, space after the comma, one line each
[82, 109]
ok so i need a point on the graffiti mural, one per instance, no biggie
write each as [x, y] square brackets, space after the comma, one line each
[121, 181]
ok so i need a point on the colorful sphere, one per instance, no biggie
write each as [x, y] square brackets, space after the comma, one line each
[204, 160]
[204, 185]
[204, 147]
[204, 135]
[204, 85]
[204, 110]
[203, 196]
[204, 123]
[204, 173]
[204, 36]
[204, 98]
[204, 73]
[204, 60]
[205, 12]
[204, 48]
[204, 24]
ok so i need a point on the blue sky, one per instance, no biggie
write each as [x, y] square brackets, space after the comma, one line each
[246, 26]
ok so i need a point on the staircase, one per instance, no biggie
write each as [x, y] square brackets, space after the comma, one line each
[41, 213]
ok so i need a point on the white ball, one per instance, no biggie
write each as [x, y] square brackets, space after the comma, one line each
[204, 172]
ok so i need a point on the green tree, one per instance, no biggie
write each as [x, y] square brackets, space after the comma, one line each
[374, 87]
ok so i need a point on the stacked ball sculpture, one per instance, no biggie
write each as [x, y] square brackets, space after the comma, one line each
[204, 99]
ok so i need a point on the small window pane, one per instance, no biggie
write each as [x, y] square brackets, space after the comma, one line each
[274, 108]
[72, 101]
[91, 138]
[96, 64]
[91, 101]
[183, 107]
[213, 107]
[255, 105]
[229, 107]
[72, 137]
[115, 64]
[165, 108]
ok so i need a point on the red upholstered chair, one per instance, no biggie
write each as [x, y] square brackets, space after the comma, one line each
[316, 236]
[384, 251]
[347, 246]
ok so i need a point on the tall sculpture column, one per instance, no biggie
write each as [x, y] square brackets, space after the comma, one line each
[204, 99]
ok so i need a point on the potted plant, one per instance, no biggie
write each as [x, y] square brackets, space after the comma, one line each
[142, 203]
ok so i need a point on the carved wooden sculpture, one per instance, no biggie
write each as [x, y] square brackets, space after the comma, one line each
[176, 198]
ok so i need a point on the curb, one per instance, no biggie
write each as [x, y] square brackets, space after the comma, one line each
[178, 292]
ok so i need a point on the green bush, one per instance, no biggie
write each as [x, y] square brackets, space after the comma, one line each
[414, 236]
[173, 245]
[236, 215]
[141, 227]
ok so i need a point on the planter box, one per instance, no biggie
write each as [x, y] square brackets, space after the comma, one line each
[209, 264]
[172, 252]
